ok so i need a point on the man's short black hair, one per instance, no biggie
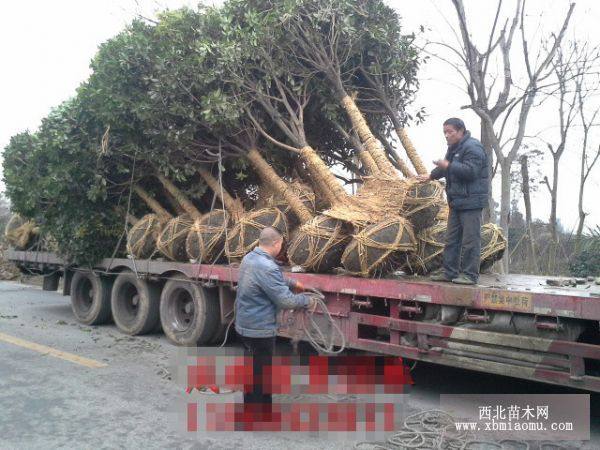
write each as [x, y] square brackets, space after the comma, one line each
[456, 123]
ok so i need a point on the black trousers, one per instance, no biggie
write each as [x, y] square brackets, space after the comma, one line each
[261, 350]
[463, 237]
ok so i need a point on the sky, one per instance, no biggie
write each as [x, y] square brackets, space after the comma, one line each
[46, 48]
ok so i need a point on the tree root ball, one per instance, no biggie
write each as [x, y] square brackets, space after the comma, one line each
[493, 245]
[142, 237]
[422, 204]
[206, 240]
[20, 233]
[430, 248]
[444, 212]
[243, 236]
[171, 241]
[317, 245]
[380, 247]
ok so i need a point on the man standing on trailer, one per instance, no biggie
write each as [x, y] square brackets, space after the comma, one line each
[261, 291]
[465, 168]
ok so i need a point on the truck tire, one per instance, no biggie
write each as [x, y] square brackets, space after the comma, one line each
[220, 328]
[188, 313]
[90, 298]
[135, 304]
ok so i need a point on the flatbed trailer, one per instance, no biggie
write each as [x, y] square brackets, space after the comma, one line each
[512, 325]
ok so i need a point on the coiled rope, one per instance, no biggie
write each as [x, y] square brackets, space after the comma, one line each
[435, 429]
[321, 341]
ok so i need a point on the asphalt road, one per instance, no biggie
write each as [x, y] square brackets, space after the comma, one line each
[108, 390]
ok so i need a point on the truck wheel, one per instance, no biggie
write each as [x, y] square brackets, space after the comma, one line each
[135, 304]
[189, 314]
[220, 328]
[90, 298]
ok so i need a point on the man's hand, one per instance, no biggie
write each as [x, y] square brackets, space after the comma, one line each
[442, 163]
[312, 303]
[423, 178]
[298, 287]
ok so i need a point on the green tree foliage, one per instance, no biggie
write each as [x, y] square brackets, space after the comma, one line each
[193, 86]
[587, 262]
[55, 177]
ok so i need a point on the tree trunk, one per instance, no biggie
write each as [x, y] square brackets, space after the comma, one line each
[368, 162]
[232, 205]
[532, 256]
[396, 159]
[505, 207]
[269, 176]
[322, 198]
[179, 196]
[327, 181]
[174, 203]
[152, 203]
[131, 219]
[411, 151]
[582, 214]
[372, 145]
[489, 213]
[553, 252]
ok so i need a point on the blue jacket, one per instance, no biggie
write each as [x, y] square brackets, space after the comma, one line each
[466, 176]
[261, 292]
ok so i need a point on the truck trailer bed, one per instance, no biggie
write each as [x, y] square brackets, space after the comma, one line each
[515, 325]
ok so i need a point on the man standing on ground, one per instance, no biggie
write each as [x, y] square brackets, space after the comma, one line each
[465, 168]
[261, 291]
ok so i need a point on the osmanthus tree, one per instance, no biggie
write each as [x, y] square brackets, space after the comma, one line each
[124, 72]
[58, 178]
[328, 38]
[21, 172]
[276, 94]
[385, 68]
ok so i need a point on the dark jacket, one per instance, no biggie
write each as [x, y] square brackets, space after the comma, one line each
[466, 175]
[261, 292]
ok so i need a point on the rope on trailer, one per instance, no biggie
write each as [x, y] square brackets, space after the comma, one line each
[314, 333]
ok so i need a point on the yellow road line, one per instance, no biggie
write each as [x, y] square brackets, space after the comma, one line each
[52, 351]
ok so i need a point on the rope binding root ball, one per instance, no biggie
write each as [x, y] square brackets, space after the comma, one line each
[243, 236]
[380, 247]
[142, 237]
[20, 232]
[423, 203]
[171, 241]
[493, 245]
[205, 242]
[430, 248]
[318, 244]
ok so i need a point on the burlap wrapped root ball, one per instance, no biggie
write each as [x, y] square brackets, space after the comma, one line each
[493, 245]
[142, 237]
[20, 233]
[171, 241]
[444, 212]
[380, 248]
[422, 204]
[430, 249]
[243, 236]
[317, 245]
[206, 240]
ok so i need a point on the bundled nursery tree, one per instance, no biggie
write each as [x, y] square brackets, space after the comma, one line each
[60, 178]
